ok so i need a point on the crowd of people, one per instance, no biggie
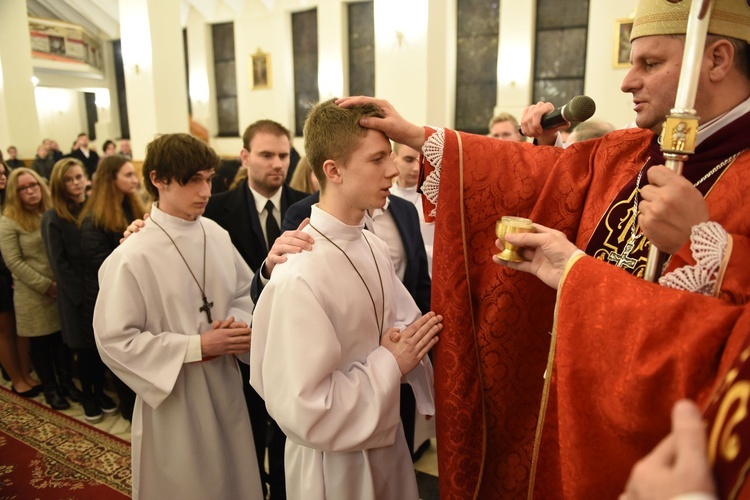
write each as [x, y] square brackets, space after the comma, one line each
[48, 153]
[53, 217]
[306, 320]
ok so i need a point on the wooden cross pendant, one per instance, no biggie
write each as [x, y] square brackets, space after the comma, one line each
[206, 308]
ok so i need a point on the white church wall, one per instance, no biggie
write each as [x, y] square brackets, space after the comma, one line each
[414, 56]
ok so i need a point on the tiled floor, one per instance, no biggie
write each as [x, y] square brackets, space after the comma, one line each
[427, 463]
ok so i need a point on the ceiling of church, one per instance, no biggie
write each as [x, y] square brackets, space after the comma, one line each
[101, 18]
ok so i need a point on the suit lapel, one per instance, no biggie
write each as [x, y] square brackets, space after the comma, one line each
[242, 218]
[399, 217]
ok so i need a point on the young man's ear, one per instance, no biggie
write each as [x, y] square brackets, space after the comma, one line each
[331, 169]
[158, 184]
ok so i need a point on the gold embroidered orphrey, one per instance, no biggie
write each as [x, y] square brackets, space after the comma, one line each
[629, 223]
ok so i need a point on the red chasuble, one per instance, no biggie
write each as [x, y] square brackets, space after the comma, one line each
[496, 338]
[615, 379]
[728, 422]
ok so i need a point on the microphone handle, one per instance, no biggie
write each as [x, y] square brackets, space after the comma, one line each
[551, 120]
[554, 118]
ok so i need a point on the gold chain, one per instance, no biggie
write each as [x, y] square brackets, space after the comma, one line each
[633, 236]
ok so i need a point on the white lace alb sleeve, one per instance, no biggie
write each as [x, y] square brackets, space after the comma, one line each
[708, 243]
[433, 153]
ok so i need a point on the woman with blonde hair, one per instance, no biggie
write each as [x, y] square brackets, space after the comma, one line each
[14, 350]
[35, 289]
[304, 178]
[62, 238]
[112, 205]
[240, 178]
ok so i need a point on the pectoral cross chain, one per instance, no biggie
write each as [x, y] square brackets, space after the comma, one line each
[206, 308]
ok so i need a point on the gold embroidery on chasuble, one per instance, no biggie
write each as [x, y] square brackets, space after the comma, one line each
[619, 246]
[728, 428]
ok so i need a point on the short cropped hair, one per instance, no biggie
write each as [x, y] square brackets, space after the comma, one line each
[176, 157]
[741, 51]
[503, 117]
[590, 130]
[266, 127]
[333, 133]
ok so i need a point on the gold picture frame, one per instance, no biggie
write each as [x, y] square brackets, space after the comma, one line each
[621, 58]
[260, 70]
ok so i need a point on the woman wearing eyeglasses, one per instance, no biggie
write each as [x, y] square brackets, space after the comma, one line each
[14, 350]
[62, 238]
[35, 290]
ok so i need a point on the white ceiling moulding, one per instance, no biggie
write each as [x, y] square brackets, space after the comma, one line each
[42, 67]
[106, 21]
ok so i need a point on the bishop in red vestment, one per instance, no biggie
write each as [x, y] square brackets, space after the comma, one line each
[619, 352]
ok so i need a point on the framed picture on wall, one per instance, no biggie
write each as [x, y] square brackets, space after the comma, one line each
[623, 27]
[260, 70]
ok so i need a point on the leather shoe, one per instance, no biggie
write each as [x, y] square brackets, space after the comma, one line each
[31, 393]
[68, 389]
[55, 399]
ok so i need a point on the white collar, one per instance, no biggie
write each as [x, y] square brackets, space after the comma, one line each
[378, 211]
[332, 227]
[397, 187]
[170, 221]
[260, 200]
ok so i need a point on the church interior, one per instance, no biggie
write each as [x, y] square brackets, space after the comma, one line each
[134, 69]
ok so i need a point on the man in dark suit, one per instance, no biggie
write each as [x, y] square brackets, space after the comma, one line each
[252, 214]
[88, 157]
[398, 225]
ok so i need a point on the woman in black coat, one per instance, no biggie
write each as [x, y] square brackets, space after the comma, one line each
[62, 240]
[113, 204]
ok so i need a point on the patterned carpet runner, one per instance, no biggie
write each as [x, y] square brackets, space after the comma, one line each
[45, 454]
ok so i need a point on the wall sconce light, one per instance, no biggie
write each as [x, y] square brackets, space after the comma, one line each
[400, 38]
[409, 26]
[198, 88]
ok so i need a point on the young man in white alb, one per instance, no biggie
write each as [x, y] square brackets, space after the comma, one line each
[171, 316]
[335, 331]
